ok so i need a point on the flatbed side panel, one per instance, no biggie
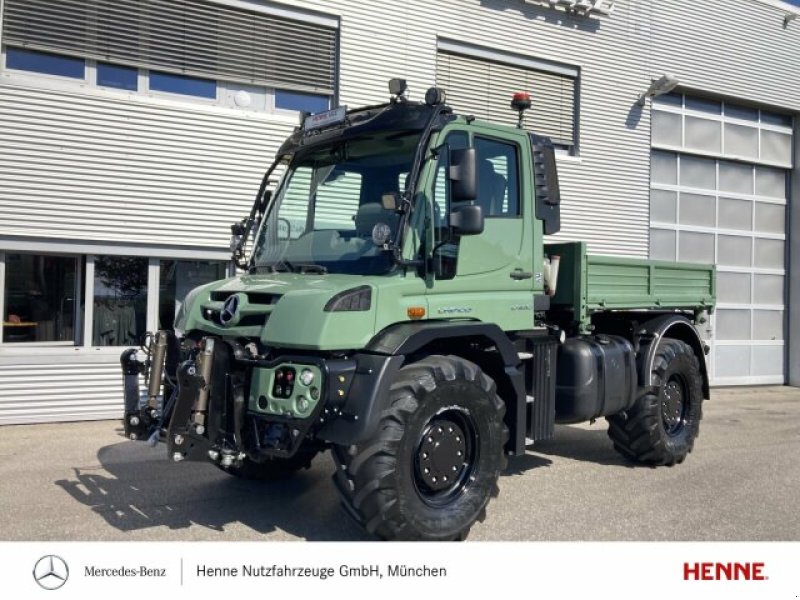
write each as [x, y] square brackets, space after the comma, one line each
[613, 282]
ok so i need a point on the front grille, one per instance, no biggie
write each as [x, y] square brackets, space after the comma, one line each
[246, 321]
[252, 297]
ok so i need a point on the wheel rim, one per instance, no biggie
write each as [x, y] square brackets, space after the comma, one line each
[674, 405]
[446, 457]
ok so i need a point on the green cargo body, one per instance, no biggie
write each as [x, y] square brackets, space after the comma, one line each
[590, 283]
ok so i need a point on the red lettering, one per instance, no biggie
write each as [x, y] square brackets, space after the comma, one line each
[732, 571]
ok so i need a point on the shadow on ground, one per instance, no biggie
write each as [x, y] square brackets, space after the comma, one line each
[136, 488]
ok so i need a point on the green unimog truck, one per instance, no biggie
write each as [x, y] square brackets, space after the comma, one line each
[398, 303]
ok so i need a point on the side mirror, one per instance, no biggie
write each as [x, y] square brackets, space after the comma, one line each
[463, 174]
[467, 219]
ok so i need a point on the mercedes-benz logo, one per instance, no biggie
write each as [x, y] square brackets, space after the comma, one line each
[230, 311]
[51, 572]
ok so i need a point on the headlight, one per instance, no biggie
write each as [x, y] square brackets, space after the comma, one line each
[306, 377]
[357, 298]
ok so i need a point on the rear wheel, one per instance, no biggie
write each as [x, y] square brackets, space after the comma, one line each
[432, 466]
[662, 426]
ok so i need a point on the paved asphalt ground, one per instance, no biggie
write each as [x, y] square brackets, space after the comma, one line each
[84, 481]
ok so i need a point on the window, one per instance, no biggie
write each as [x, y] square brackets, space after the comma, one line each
[481, 82]
[178, 278]
[117, 76]
[183, 84]
[45, 63]
[216, 41]
[120, 300]
[498, 183]
[41, 295]
[311, 103]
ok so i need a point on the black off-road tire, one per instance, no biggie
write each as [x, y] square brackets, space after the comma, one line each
[382, 481]
[661, 427]
[273, 469]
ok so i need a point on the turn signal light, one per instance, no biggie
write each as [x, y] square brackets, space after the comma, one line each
[415, 312]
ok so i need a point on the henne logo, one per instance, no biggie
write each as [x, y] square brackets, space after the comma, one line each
[732, 571]
[50, 572]
[230, 310]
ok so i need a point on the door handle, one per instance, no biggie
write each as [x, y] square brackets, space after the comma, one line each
[519, 274]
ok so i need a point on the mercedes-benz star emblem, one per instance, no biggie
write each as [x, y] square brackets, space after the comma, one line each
[50, 572]
[230, 310]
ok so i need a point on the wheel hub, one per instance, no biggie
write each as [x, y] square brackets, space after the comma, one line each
[441, 457]
[673, 407]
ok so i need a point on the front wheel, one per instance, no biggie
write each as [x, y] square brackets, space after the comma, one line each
[432, 466]
[660, 429]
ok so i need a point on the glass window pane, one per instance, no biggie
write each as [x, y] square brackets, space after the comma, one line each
[498, 184]
[117, 76]
[664, 167]
[698, 173]
[768, 360]
[770, 218]
[696, 247]
[741, 112]
[183, 84]
[735, 214]
[735, 177]
[671, 99]
[776, 147]
[178, 278]
[776, 119]
[741, 140]
[768, 324]
[769, 289]
[703, 134]
[769, 254]
[662, 244]
[698, 210]
[770, 182]
[243, 97]
[44, 62]
[735, 251]
[732, 361]
[337, 200]
[120, 300]
[701, 104]
[40, 298]
[311, 103]
[733, 324]
[733, 288]
[666, 128]
[663, 206]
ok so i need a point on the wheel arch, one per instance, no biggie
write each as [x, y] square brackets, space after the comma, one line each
[677, 327]
[484, 344]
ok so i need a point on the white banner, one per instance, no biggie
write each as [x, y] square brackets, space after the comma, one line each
[381, 570]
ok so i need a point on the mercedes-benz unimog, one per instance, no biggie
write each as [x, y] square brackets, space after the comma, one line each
[397, 302]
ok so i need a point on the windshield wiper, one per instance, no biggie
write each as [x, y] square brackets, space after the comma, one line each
[277, 267]
[307, 268]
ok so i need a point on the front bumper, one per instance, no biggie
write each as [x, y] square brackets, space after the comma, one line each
[222, 403]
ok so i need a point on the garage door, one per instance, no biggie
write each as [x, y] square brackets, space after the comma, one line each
[719, 192]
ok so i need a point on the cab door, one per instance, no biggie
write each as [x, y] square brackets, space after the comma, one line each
[487, 276]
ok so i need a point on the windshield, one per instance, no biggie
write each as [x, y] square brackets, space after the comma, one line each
[329, 205]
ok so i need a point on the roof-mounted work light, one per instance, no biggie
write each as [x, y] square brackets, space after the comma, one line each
[397, 88]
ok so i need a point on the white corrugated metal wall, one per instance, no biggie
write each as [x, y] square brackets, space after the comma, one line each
[77, 165]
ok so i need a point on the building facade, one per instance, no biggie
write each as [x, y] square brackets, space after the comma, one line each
[132, 133]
